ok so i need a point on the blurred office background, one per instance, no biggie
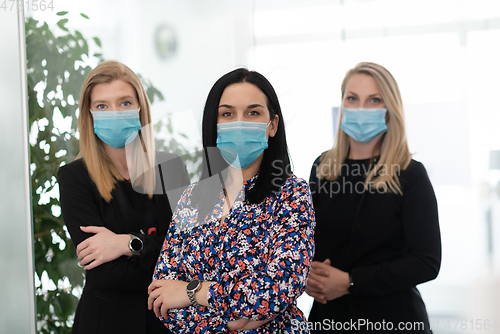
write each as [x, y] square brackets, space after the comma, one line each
[443, 53]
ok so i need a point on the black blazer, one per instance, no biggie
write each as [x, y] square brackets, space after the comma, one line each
[393, 245]
[114, 298]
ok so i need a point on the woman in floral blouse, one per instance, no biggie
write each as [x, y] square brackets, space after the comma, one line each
[238, 251]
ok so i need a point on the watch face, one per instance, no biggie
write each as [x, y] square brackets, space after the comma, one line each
[193, 284]
[136, 245]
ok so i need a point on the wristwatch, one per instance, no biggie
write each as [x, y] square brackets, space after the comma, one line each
[191, 288]
[135, 245]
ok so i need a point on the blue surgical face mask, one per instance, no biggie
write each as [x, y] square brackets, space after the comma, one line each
[116, 128]
[241, 143]
[363, 124]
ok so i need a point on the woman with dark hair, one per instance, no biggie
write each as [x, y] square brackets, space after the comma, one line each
[238, 251]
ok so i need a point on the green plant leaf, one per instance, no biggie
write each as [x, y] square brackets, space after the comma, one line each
[97, 41]
[84, 16]
[62, 13]
[61, 24]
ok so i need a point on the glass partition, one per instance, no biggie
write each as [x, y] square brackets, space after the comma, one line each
[17, 307]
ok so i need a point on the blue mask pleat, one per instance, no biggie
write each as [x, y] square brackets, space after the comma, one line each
[116, 128]
[363, 124]
[241, 143]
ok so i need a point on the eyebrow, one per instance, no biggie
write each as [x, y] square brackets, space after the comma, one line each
[121, 98]
[376, 94]
[126, 97]
[256, 105]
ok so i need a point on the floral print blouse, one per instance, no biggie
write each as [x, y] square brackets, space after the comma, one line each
[258, 259]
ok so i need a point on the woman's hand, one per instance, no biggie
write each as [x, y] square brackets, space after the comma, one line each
[314, 287]
[326, 282]
[165, 294]
[247, 324]
[102, 247]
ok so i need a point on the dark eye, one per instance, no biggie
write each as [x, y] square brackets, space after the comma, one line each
[351, 98]
[254, 112]
[226, 114]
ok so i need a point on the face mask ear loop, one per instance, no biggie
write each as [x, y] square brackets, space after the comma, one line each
[268, 124]
[270, 121]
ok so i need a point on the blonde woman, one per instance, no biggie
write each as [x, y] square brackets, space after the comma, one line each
[118, 232]
[377, 233]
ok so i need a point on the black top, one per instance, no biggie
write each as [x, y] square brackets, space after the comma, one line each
[147, 212]
[388, 243]
[114, 298]
[150, 216]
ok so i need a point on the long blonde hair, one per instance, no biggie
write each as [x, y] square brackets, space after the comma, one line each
[394, 152]
[99, 165]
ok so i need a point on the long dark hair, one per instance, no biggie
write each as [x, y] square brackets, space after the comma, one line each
[275, 167]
